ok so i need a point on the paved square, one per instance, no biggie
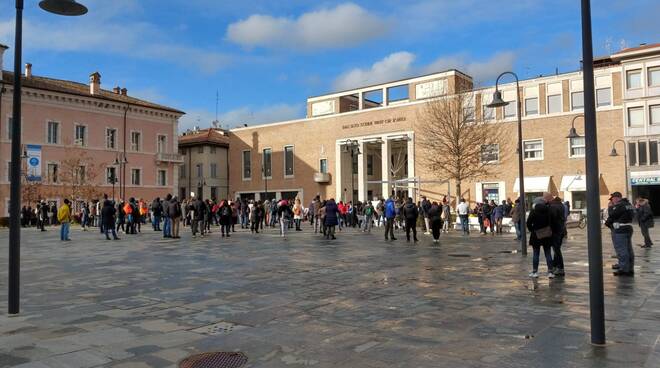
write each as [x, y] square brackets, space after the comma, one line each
[358, 301]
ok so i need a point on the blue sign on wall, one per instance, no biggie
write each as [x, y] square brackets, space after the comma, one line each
[651, 180]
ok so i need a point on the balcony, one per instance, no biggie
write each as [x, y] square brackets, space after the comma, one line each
[322, 178]
[169, 157]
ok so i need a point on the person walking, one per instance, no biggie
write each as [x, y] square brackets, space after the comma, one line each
[498, 216]
[198, 211]
[167, 219]
[620, 215]
[410, 214]
[463, 210]
[645, 220]
[558, 224]
[43, 215]
[64, 218]
[425, 206]
[539, 225]
[445, 216]
[108, 214]
[435, 219]
[297, 213]
[156, 214]
[380, 212]
[390, 214]
[516, 217]
[331, 216]
[225, 218]
[121, 217]
[174, 214]
[285, 214]
[369, 211]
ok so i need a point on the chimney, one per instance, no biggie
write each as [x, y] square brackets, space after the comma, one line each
[28, 70]
[95, 83]
[3, 48]
[116, 90]
[124, 92]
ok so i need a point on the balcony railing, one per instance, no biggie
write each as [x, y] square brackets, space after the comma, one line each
[169, 157]
[322, 178]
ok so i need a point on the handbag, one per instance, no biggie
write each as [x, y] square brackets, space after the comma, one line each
[543, 233]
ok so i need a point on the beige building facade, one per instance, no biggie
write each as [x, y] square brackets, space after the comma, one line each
[205, 164]
[364, 143]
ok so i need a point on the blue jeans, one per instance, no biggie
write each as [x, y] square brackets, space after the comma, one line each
[156, 222]
[624, 251]
[110, 229]
[518, 230]
[167, 226]
[465, 224]
[547, 251]
[64, 231]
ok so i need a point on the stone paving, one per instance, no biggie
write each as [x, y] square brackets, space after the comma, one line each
[358, 301]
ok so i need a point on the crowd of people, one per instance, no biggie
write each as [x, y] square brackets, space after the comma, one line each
[546, 222]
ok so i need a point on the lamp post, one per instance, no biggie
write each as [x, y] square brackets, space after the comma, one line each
[121, 163]
[61, 7]
[614, 153]
[573, 132]
[263, 172]
[352, 146]
[594, 240]
[498, 102]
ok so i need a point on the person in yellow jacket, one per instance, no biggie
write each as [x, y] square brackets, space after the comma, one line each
[64, 217]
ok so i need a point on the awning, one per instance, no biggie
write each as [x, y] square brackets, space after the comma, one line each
[573, 183]
[533, 184]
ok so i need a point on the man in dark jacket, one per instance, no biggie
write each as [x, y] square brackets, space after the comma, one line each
[173, 210]
[620, 216]
[410, 214]
[156, 213]
[425, 207]
[108, 215]
[199, 213]
[167, 219]
[558, 225]
[645, 220]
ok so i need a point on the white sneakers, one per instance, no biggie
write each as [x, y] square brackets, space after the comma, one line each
[534, 275]
[551, 275]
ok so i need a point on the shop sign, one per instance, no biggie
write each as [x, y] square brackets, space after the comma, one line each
[374, 123]
[651, 180]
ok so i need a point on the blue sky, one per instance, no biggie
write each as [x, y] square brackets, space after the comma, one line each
[267, 57]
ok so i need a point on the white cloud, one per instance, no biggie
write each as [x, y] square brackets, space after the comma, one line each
[480, 71]
[242, 115]
[343, 26]
[394, 66]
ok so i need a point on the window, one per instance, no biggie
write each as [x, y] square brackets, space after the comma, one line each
[110, 175]
[162, 178]
[182, 171]
[653, 152]
[469, 113]
[200, 149]
[79, 175]
[370, 164]
[603, 97]
[214, 170]
[53, 132]
[488, 112]
[136, 176]
[636, 116]
[81, 135]
[533, 149]
[654, 114]
[576, 147]
[531, 106]
[288, 161]
[53, 173]
[111, 138]
[161, 145]
[267, 163]
[632, 153]
[212, 149]
[135, 141]
[642, 157]
[577, 100]
[654, 76]
[323, 166]
[200, 170]
[511, 108]
[554, 104]
[490, 153]
[634, 79]
[247, 165]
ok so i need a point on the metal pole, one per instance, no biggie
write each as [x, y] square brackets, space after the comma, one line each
[521, 174]
[15, 191]
[352, 177]
[594, 241]
[625, 167]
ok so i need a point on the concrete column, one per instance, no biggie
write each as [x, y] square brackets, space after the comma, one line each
[362, 177]
[360, 101]
[411, 164]
[385, 100]
[386, 152]
[337, 176]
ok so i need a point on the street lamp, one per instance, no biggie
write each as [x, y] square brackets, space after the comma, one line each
[614, 153]
[594, 240]
[498, 102]
[352, 146]
[61, 7]
[121, 163]
[573, 133]
[263, 172]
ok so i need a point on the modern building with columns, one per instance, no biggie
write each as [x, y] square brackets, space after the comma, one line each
[364, 143]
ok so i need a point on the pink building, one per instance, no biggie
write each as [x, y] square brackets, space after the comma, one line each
[82, 136]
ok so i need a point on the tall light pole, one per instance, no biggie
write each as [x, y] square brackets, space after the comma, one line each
[498, 102]
[614, 153]
[263, 171]
[594, 240]
[61, 7]
[352, 146]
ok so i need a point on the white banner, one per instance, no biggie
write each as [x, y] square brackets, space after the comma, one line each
[33, 162]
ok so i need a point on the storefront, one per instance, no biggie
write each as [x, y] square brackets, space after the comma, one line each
[646, 184]
[534, 188]
[574, 188]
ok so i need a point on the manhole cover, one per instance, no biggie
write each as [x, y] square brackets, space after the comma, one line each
[460, 255]
[214, 360]
[219, 328]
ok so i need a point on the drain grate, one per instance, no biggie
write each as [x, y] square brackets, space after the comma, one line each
[220, 328]
[215, 360]
[460, 255]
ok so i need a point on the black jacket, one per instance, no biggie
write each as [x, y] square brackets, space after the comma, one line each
[200, 209]
[622, 213]
[157, 208]
[558, 222]
[410, 212]
[434, 212]
[108, 214]
[539, 218]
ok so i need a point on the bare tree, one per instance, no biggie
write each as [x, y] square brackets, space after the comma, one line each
[457, 145]
[78, 174]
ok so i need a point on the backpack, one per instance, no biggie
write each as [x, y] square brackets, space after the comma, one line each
[369, 211]
[226, 211]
